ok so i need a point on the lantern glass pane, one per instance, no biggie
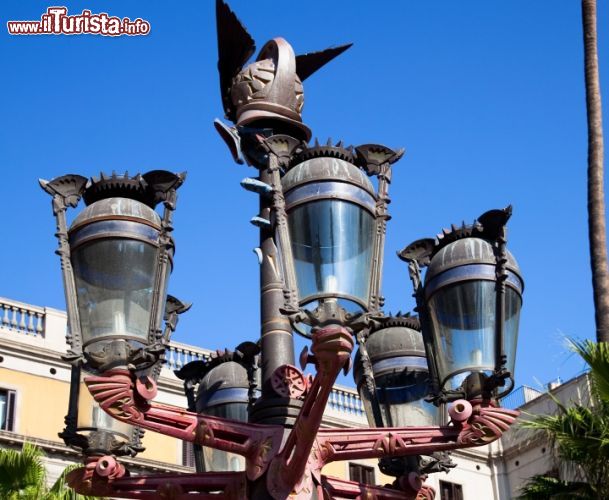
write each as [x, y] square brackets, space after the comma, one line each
[115, 284]
[223, 461]
[513, 303]
[332, 243]
[463, 323]
[463, 320]
[402, 400]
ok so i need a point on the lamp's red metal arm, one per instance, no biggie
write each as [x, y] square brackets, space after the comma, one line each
[126, 399]
[104, 476]
[474, 424]
[351, 444]
[206, 485]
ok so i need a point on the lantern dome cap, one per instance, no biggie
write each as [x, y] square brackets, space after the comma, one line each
[224, 376]
[150, 188]
[117, 208]
[399, 336]
[225, 383]
[325, 151]
[465, 251]
[324, 168]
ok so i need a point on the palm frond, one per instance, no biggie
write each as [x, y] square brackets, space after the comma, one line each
[580, 433]
[22, 473]
[596, 354]
[551, 488]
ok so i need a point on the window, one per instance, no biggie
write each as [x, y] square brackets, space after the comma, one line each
[188, 454]
[7, 410]
[361, 474]
[450, 491]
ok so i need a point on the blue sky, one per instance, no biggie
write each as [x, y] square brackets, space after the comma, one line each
[486, 97]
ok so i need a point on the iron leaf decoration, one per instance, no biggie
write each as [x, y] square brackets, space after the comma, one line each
[69, 188]
[494, 221]
[371, 157]
[418, 251]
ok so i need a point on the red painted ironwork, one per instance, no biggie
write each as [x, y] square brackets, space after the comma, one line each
[97, 476]
[289, 471]
[293, 469]
[289, 382]
[118, 394]
[485, 424]
[90, 480]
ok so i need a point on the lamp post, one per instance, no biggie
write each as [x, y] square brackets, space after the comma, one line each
[322, 231]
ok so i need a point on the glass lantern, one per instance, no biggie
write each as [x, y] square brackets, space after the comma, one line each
[331, 217]
[116, 258]
[223, 392]
[114, 246]
[463, 303]
[396, 355]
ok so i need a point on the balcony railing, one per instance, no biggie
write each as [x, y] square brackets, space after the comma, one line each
[18, 317]
[520, 396]
[180, 354]
[346, 400]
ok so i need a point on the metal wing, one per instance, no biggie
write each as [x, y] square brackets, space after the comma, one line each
[307, 64]
[235, 47]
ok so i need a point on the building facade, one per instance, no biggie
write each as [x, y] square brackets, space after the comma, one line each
[34, 389]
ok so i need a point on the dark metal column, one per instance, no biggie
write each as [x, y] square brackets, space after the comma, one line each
[275, 330]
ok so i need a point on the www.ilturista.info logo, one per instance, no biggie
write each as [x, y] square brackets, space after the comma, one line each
[56, 21]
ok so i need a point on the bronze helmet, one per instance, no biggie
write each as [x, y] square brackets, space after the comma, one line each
[267, 92]
[270, 88]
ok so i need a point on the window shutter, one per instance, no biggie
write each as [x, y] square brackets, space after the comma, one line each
[10, 420]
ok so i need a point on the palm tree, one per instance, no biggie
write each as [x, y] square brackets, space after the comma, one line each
[596, 197]
[22, 474]
[580, 436]
[23, 477]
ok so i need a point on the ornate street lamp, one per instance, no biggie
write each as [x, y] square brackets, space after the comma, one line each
[116, 257]
[470, 301]
[322, 229]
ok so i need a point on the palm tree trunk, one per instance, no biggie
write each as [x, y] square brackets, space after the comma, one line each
[596, 197]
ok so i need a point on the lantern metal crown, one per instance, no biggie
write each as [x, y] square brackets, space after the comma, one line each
[254, 417]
